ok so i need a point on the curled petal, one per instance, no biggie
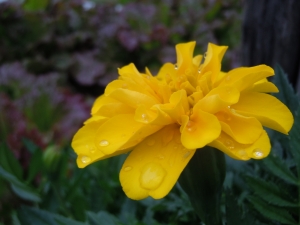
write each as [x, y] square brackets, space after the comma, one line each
[258, 150]
[83, 144]
[213, 59]
[132, 98]
[100, 101]
[264, 86]
[154, 116]
[218, 98]
[242, 129]
[243, 78]
[121, 132]
[152, 168]
[178, 105]
[184, 54]
[199, 130]
[267, 109]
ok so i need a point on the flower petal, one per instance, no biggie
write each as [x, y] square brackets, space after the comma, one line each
[152, 168]
[153, 116]
[258, 150]
[83, 144]
[267, 109]
[200, 129]
[218, 98]
[100, 101]
[132, 98]
[267, 87]
[178, 105]
[243, 78]
[244, 130]
[184, 54]
[121, 132]
[213, 59]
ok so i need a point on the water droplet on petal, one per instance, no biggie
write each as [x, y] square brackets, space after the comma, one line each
[205, 55]
[145, 117]
[151, 142]
[191, 126]
[186, 154]
[229, 144]
[104, 143]
[243, 154]
[233, 110]
[92, 149]
[127, 168]
[161, 156]
[257, 153]
[227, 79]
[199, 71]
[175, 67]
[152, 175]
[85, 159]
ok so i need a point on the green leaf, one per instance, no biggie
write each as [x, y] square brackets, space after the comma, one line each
[278, 167]
[273, 213]
[9, 162]
[19, 188]
[35, 165]
[102, 218]
[202, 180]
[233, 214]
[35, 5]
[34, 216]
[294, 139]
[269, 192]
[286, 92]
[30, 146]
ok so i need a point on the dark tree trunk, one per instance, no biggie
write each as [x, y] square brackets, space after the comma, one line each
[271, 35]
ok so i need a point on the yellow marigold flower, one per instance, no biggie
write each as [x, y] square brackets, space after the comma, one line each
[163, 119]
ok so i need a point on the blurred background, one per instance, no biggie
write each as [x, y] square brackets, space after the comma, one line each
[57, 56]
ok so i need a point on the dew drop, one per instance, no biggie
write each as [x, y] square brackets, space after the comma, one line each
[152, 175]
[243, 154]
[190, 126]
[232, 110]
[205, 55]
[85, 159]
[151, 142]
[229, 144]
[199, 71]
[104, 143]
[186, 154]
[257, 153]
[92, 149]
[227, 79]
[161, 156]
[144, 117]
[127, 168]
[176, 67]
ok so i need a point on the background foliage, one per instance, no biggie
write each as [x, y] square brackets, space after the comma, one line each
[57, 56]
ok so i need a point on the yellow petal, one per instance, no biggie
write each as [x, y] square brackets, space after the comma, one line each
[244, 77]
[267, 109]
[244, 130]
[267, 87]
[132, 98]
[167, 72]
[153, 168]
[100, 101]
[218, 98]
[83, 144]
[199, 130]
[213, 60]
[121, 132]
[184, 54]
[154, 116]
[112, 109]
[258, 150]
[178, 105]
